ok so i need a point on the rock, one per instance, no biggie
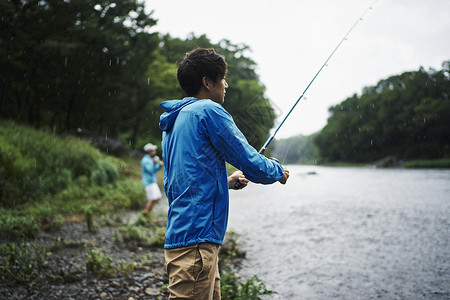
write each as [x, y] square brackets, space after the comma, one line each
[152, 292]
[116, 284]
[388, 162]
[103, 295]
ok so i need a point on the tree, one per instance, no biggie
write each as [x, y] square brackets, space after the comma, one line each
[405, 115]
[65, 63]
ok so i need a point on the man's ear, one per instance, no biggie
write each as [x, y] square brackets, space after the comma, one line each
[206, 82]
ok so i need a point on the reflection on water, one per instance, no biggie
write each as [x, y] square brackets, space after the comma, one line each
[348, 233]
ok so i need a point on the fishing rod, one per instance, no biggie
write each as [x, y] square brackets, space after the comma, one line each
[263, 149]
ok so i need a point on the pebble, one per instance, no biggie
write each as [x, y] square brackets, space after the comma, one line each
[152, 292]
[103, 295]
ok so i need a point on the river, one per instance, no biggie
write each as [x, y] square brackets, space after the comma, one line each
[348, 233]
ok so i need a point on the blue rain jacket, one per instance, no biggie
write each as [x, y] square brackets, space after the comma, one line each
[149, 169]
[198, 137]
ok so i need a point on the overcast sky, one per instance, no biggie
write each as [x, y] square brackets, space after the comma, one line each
[291, 39]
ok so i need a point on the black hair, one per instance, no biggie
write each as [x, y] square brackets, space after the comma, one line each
[199, 63]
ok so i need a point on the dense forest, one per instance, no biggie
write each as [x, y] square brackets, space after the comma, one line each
[406, 116]
[97, 65]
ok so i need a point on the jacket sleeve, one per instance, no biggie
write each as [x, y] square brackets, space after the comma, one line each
[232, 145]
[149, 166]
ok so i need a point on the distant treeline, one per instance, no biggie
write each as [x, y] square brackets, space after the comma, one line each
[96, 65]
[406, 116]
[299, 149]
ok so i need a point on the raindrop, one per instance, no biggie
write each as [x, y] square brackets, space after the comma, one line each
[65, 62]
[424, 120]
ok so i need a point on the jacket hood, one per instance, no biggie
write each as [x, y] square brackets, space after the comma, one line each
[173, 108]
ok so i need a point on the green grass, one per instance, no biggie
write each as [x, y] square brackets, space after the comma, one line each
[443, 163]
[35, 164]
[346, 164]
[44, 177]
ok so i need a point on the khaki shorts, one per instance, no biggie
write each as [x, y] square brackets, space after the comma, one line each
[193, 272]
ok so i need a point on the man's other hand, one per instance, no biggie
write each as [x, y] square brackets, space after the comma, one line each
[285, 176]
[234, 178]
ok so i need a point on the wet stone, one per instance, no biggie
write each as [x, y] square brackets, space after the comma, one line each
[152, 292]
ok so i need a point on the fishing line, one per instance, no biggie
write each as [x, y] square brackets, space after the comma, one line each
[263, 149]
[287, 150]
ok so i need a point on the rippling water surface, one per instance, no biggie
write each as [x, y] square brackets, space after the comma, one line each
[348, 233]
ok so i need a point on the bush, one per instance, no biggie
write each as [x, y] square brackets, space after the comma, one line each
[35, 164]
[232, 288]
[20, 262]
[100, 264]
[146, 232]
[13, 226]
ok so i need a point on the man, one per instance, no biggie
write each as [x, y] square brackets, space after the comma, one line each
[199, 136]
[150, 164]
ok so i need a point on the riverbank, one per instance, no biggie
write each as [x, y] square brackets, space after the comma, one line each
[443, 163]
[118, 256]
[76, 263]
